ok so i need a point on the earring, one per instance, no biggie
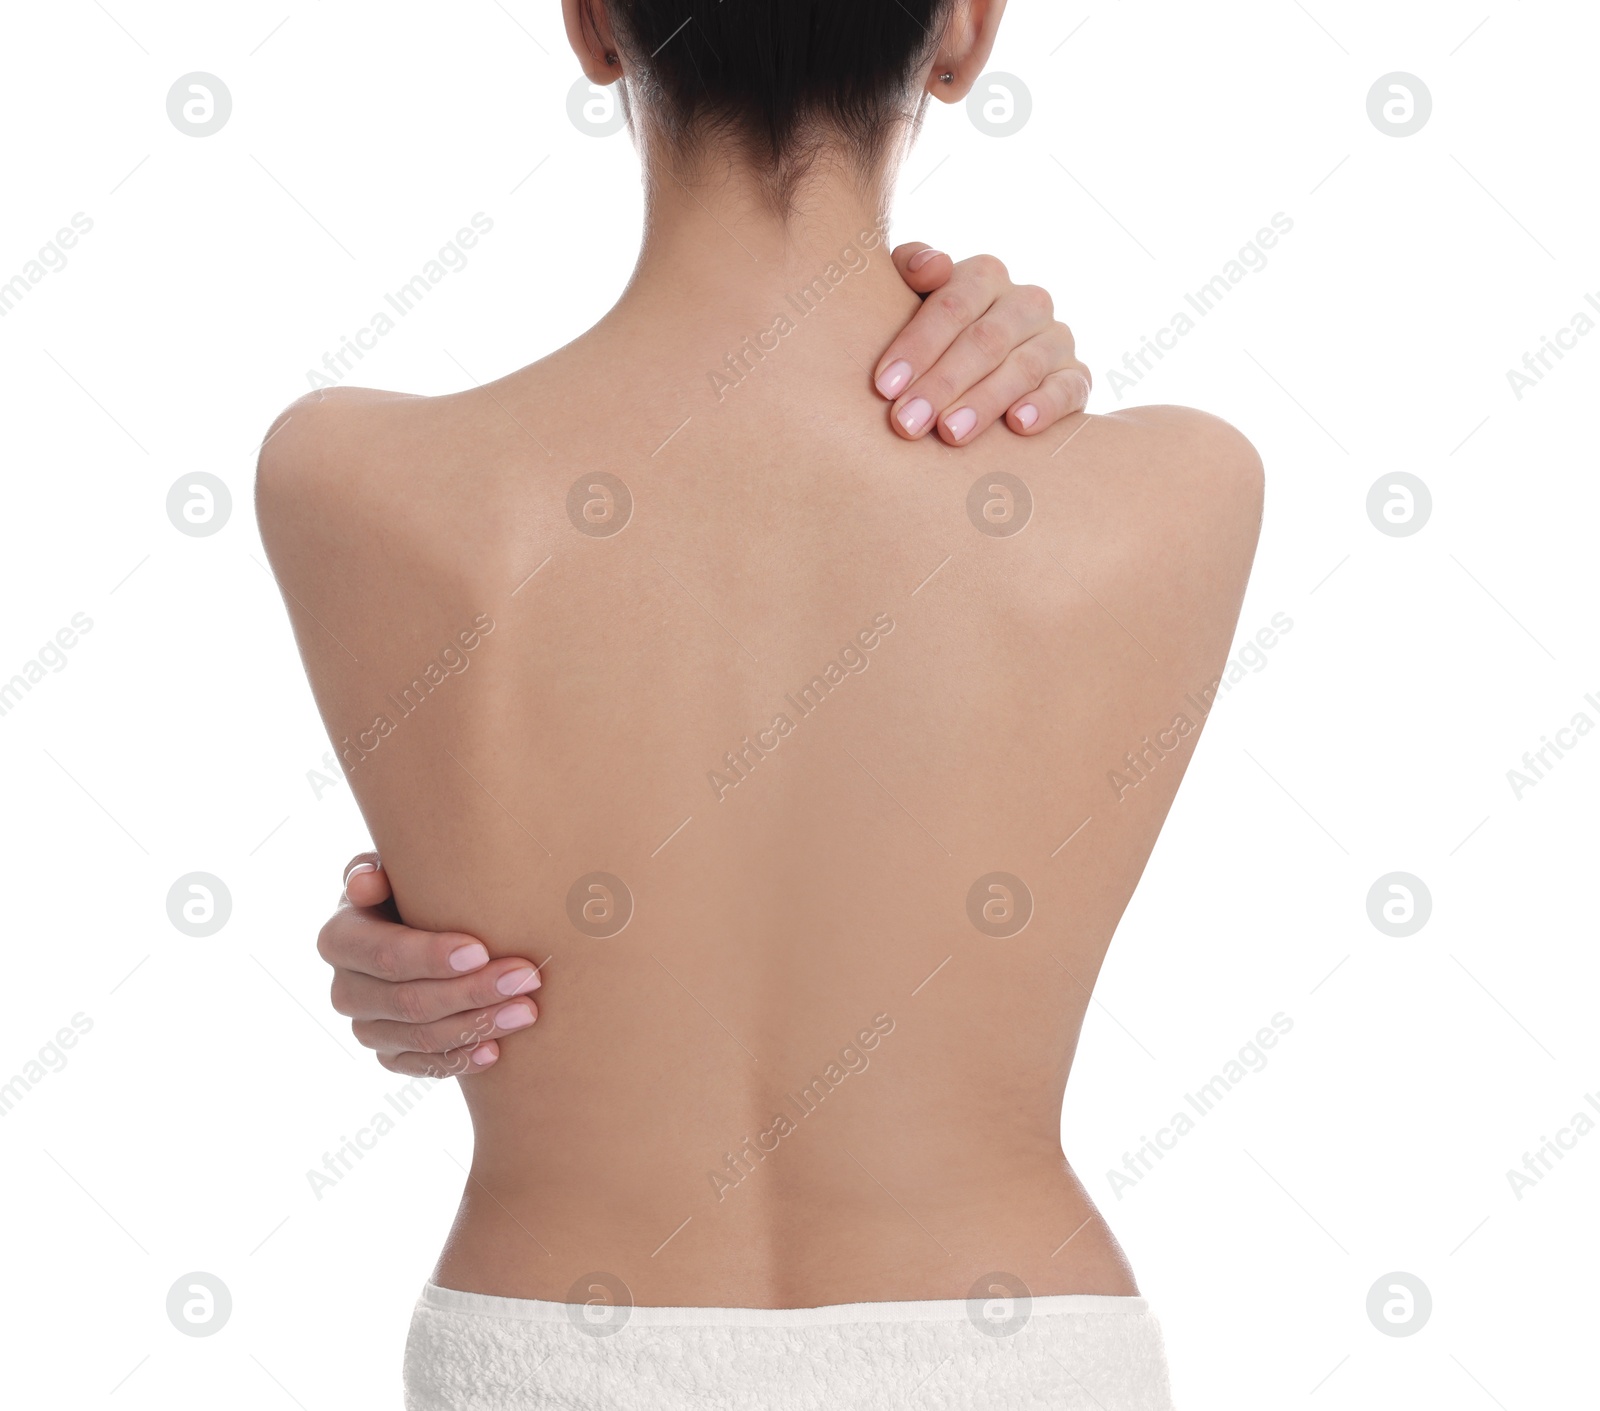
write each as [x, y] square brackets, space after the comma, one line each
[611, 58]
[947, 77]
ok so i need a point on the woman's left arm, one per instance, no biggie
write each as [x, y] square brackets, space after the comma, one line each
[980, 348]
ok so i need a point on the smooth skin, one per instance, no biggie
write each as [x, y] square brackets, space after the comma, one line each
[433, 1005]
[818, 696]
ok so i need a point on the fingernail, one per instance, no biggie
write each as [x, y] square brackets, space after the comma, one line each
[514, 1016]
[357, 870]
[484, 1055]
[960, 423]
[517, 982]
[895, 377]
[1027, 414]
[917, 261]
[915, 415]
[469, 957]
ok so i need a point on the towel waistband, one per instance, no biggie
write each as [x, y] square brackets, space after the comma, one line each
[941, 1310]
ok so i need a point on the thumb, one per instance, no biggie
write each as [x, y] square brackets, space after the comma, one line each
[365, 881]
[922, 267]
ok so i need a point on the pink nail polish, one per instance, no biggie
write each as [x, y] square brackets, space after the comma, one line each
[917, 261]
[483, 1056]
[514, 1016]
[517, 982]
[356, 871]
[894, 379]
[1027, 414]
[960, 423]
[469, 957]
[915, 415]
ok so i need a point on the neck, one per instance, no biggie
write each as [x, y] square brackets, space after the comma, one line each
[717, 259]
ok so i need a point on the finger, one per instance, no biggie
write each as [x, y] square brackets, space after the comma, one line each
[1024, 372]
[922, 267]
[458, 1063]
[971, 291]
[366, 941]
[365, 881]
[358, 996]
[443, 1035]
[978, 351]
[1060, 395]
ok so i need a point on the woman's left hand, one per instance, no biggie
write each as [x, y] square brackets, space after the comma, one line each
[980, 348]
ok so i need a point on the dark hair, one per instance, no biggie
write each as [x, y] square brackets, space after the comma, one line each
[781, 78]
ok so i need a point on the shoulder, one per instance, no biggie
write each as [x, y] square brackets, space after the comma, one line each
[1189, 469]
[345, 452]
[1173, 496]
[322, 434]
[1197, 445]
[357, 483]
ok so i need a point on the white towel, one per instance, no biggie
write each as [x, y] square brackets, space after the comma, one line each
[1066, 1352]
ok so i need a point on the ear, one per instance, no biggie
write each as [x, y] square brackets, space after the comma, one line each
[964, 48]
[589, 34]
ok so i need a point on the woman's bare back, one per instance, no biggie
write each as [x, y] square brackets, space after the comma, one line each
[820, 765]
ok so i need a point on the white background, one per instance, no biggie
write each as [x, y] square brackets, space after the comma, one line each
[1377, 738]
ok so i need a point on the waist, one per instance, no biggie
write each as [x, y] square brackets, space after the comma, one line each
[993, 1308]
[842, 1227]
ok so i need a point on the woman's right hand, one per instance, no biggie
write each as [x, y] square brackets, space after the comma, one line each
[429, 1003]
